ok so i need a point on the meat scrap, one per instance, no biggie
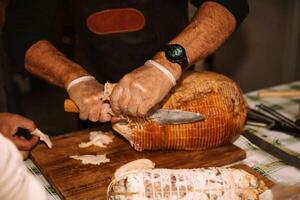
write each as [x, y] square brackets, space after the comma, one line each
[43, 137]
[91, 159]
[98, 138]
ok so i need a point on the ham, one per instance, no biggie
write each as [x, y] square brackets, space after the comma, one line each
[215, 96]
[217, 183]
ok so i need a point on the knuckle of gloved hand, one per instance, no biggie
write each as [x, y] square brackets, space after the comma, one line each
[97, 97]
[132, 110]
[93, 117]
[147, 106]
[141, 112]
[94, 113]
[105, 117]
[106, 109]
[135, 84]
[86, 100]
[102, 119]
[141, 88]
[83, 115]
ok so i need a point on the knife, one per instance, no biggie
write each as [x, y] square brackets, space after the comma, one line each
[162, 116]
[271, 149]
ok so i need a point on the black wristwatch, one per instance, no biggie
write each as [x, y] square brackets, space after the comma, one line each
[175, 53]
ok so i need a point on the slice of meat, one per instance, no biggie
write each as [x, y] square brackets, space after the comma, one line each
[97, 138]
[91, 159]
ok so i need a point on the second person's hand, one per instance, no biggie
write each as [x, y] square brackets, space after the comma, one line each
[9, 125]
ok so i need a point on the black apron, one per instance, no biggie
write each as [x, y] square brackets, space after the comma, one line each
[109, 56]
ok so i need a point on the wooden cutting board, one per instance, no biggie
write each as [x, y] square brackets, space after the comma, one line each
[73, 180]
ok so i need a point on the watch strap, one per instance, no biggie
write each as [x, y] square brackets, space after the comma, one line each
[183, 62]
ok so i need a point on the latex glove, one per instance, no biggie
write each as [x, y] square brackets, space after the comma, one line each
[137, 92]
[88, 96]
[9, 125]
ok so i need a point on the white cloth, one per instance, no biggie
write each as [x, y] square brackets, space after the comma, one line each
[16, 183]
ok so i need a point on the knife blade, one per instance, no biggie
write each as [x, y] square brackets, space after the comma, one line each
[162, 116]
[271, 149]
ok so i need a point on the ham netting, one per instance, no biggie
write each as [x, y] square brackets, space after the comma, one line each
[185, 184]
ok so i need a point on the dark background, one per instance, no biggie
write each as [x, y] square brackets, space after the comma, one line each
[263, 52]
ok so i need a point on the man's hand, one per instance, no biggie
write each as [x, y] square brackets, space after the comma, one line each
[9, 125]
[137, 92]
[88, 96]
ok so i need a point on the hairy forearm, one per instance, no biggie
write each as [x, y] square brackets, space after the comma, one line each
[209, 28]
[45, 61]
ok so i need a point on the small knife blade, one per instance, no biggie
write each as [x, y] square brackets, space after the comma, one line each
[164, 116]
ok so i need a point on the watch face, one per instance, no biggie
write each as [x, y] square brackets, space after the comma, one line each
[175, 52]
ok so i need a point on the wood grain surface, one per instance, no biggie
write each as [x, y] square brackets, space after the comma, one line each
[73, 180]
[248, 169]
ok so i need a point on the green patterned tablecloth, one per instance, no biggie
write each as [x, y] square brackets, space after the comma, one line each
[258, 159]
[261, 161]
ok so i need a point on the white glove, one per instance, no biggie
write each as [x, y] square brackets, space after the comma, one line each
[137, 92]
[88, 96]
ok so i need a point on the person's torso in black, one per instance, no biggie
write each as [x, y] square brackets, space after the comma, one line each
[110, 56]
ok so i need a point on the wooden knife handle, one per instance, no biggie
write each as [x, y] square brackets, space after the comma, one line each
[70, 106]
[286, 93]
